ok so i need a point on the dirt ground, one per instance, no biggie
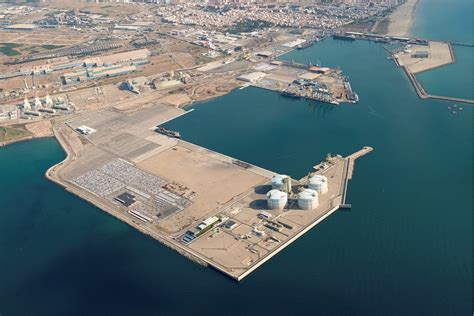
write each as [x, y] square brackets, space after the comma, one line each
[212, 88]
[439, 55]
[215, 181]
[40, 129]
[176, 99]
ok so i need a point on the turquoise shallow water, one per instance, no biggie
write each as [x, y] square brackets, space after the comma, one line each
[404, 249]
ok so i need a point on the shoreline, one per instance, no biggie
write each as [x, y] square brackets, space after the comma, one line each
[402, 19]
[399, 22]
[56, 174]
[18, 140]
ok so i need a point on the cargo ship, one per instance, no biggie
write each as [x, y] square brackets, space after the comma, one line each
[344, 37]
[305, 45]
[167, 132]
[290, 94]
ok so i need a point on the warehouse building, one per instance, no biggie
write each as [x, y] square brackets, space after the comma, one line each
[252, 77]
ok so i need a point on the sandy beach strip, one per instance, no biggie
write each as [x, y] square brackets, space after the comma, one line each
[401, 20]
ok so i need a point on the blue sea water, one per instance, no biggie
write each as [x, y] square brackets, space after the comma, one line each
[404, 249]
[448, 21]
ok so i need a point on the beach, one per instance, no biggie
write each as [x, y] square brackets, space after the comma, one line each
[401, 20]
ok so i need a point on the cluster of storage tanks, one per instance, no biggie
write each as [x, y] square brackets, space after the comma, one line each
[277, 198]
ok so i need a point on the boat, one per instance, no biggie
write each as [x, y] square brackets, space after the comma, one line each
[344, 37]
[167, 132]
[305, 45]
[290, 94]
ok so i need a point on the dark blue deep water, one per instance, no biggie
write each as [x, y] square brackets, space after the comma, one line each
[404, 248]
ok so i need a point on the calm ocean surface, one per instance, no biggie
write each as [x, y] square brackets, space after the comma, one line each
[404, 248]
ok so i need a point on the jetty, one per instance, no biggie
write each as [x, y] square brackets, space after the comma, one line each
[421, 92]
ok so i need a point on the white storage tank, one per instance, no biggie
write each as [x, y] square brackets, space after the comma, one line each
[281, 182]
[308, 199]
[318, 183]
[276, 199]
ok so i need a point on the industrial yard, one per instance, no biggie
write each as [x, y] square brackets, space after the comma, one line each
[419, 58]
[212, 208]
[60, 62]
[103, 81]
[302, 81]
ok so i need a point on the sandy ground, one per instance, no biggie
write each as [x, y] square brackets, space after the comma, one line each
[40, 129]
[401, 20]
[215, 181]
[176, 99]
[439, 55]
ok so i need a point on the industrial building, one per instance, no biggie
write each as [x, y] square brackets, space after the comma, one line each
[230, 224]
[265, 54]
[421, 54]
[252, 77]
[133, 84]
[209, 222]
[85, 130]
[97, 73]
[21, 27]
[126, 199]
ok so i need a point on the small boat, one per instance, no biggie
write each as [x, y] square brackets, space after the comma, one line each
[449, 108]
[455, 105]
[460, 109]
[454, 112]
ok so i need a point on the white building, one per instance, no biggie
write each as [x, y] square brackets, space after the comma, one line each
[252, 77]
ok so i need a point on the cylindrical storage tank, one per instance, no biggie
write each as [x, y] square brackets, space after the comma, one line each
[318, 183]
[279, 181]
[276, 199]
[308, 199]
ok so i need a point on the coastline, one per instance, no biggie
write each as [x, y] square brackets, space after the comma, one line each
[399, 22]
[402, 19]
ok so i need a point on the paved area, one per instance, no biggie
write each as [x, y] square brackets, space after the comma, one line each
[439, 54]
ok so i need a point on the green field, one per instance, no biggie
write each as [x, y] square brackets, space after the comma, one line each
[9, 49]
[48, 46]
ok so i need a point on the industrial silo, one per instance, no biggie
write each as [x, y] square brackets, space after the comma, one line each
[276, 199]
[281, 182]
[318, 183]
[308, 199]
